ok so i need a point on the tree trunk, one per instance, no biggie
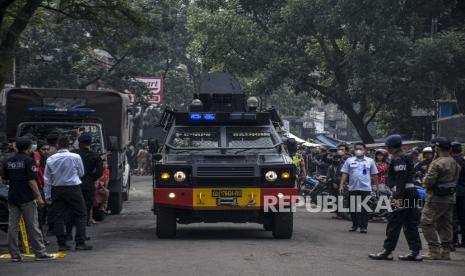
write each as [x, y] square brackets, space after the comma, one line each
[358, 122]
[11, 36]
[6, 66]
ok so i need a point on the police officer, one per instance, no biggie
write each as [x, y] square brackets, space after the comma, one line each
[406, 215]
[440, 183]
[422, 167]
[93, 170]
[23, 198]
[460, 195]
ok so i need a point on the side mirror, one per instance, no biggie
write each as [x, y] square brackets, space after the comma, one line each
[153, 146]
[112, 143]
[291, 144]
[157, 157]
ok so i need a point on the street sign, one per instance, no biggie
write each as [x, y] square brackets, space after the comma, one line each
[155, 86]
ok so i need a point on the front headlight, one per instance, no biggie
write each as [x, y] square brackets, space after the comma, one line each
[179, 176]
[271, 176]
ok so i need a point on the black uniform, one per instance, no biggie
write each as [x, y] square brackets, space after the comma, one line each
[407, 216]
[93, 170]
[18, 170]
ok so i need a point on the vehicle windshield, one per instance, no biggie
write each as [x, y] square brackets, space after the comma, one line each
[188, 137]
[249, 137]
[236, 139]
[50, 131]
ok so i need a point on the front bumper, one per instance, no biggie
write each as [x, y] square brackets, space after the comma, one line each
[219, 198]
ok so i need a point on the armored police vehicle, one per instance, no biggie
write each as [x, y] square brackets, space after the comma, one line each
[46, 114]
[223, 161]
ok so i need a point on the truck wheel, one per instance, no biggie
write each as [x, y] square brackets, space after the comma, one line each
[283, 224]
[166, 223]
[116, 203]
[128, 187]
[268, 226]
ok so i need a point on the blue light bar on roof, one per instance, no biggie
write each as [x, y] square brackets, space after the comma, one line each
[209, 117]
[61, 110]
[195, 116]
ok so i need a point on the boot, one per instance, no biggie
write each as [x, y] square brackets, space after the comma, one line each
[432, 254]
[383, 255]
[412, 256]
[445, 253]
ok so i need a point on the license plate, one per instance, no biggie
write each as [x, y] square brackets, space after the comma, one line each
[226, 193]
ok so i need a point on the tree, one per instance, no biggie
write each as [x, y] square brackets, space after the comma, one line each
[356, 54]
[16, 16]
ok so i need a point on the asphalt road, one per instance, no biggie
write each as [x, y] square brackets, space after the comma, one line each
[127, 245]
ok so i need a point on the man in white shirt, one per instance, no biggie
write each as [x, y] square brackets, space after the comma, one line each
[63, 189]
[362, 174]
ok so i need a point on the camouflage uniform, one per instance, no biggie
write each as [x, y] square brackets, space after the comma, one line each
[438, 210]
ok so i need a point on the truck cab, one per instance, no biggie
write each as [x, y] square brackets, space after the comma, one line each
[221, 162]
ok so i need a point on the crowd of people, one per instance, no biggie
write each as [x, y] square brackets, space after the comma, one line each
[54, 186]
[360, 172]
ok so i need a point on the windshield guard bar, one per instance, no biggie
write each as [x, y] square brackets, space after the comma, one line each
[222, 148]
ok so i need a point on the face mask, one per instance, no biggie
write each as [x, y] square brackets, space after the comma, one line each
[34, 147]
[340, 152]
[359, 153]
[335, 162]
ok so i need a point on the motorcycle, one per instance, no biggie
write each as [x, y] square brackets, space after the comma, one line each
[375, 198]
[307, 185]
[320, 189]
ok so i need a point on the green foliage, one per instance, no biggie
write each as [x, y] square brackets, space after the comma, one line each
[61, 51]
[361, 55]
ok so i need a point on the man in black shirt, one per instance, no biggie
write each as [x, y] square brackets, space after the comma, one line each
[406, 216]
[23, 198]
[93, 170]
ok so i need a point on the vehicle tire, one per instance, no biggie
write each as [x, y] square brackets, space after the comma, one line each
[126, 194]
[166, 223]
[283, 225]
[98, 214]
[268, 226]
[116, 203]
[4, 214]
